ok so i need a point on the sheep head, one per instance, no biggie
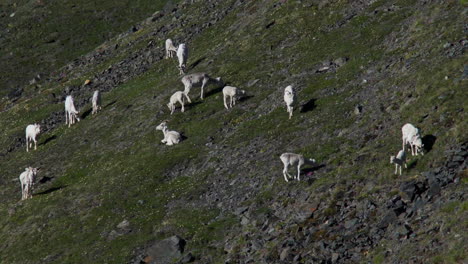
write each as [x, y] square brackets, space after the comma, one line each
[162, 126]
[392, 159]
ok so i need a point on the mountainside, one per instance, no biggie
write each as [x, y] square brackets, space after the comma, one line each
[108, 190]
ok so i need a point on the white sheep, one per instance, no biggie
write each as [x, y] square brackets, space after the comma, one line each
[31, 134]
[200, 79]
[182, 55]
[289, 98]
[176, 97]
[291, 159]
[96, 101]
[27, 178]
[234, 93]
[411, 136]
[70, 111]
[171, 50]
[399, 160]
[170, 137]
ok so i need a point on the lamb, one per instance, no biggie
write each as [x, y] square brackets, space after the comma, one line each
[412, 137]
[70, 111]
[176, 97]
[96, 102]
[170, 137]
[234, 93]
[291, 159]
[399, 160]
[31, 133]
[27, 180]
[182, 55]
[200, 79]
[170, 49]
[289, 98]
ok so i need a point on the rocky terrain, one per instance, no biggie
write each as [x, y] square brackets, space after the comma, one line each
[109, 192]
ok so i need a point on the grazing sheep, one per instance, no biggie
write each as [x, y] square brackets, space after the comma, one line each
[399, 160]
[234, 93]
[170, 137]
[171, 50]
[291, 159]
[176, 97]
[411, 136]
[289, 98]
[182, 55]
[96, 102]
[31, 133]
[70, 111]
[27, 180]
[200, 79]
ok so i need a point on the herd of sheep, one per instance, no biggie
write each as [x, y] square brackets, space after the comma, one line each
[411, 135]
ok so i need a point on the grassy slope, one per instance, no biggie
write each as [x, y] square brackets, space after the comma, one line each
[111, 167]
[44, 35]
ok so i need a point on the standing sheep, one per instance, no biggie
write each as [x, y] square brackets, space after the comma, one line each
[27, 180]
[182, 55]
[289, 98]
[170, 137]
[411, 136]
[233, 93]
[176, 97]
[291, 159]
[170, 49]
[70, 111]
[96, 102]
[32, 131]
[399, 160]
[200, 79]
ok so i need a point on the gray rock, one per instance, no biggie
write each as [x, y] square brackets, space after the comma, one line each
[167, 251]
[285, 254]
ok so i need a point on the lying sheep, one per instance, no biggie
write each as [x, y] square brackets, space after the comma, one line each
[170, 137]
[32, 131]
[182, 55]
[399, 160]
[291, 159]
[411, 136]
[70, 111]
[27, 180]
[171, 50]
[200, 79]
[176, 97]
[234, 93]
[96, 102]
[289, 98]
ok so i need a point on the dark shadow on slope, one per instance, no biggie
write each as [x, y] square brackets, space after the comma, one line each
[45, 179]
[192, 104]
[51, 190]
[49, 139]
[312, 169]
[245, 98]
[109, 104]
[309, 106]
[86, 113]
[195, 64]
[428, 141]
[214, 91]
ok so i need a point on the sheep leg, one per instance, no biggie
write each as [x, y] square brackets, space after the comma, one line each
[204, 82]
[232, 101]
[35, 144]
[225, 103]
[400, 170]
[186, 96]
[285, 174]
[298, 172]
[182, 103]
[396, 169]
[27, 145]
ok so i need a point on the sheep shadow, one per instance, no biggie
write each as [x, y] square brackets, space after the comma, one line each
[309, 106]
[245, 98]
[306, 171]
[86, 113]
[192, 104]
[428, 141]
[213, 91]
[45, 179]
[109, 104]
[49, 139]
[195, 64]
[51, 190]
